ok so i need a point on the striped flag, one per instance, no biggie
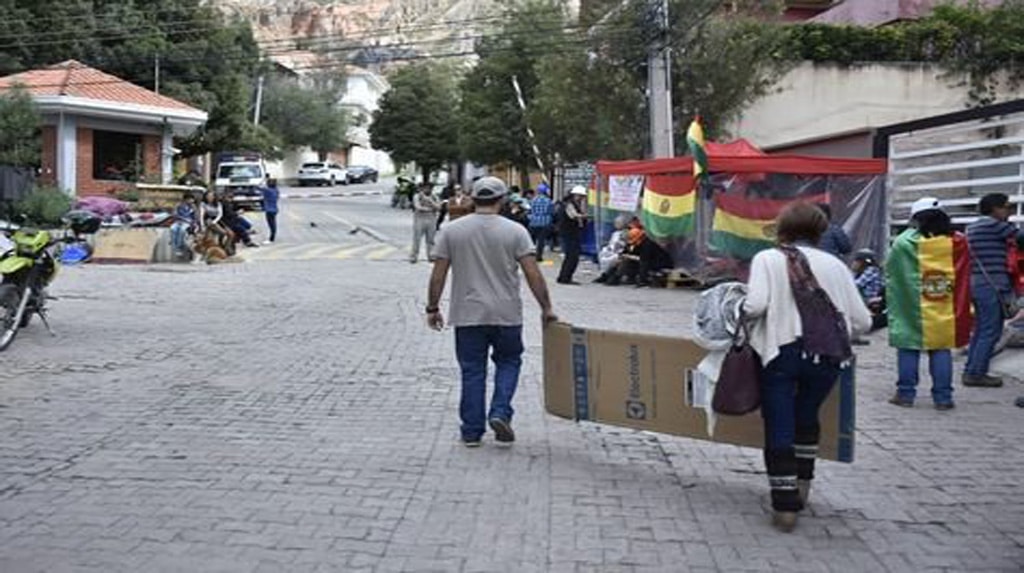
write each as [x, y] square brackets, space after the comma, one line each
[744, 226]
[668, 206]
[698, 149]
[928, 291]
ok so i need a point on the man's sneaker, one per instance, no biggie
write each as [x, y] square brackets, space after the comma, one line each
[471, 442]
[942, 406]
[503, 433]
[1019, 402]
[902, 402]
[982, 381]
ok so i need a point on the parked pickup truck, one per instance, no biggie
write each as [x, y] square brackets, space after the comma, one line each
[242, 174]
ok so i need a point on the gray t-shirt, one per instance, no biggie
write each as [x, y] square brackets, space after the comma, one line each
[484, 252]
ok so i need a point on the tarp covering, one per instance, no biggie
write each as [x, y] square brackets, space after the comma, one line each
[713, 232]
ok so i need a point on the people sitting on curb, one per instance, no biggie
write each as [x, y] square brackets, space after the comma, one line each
[184, 224]
[870, 281]
[610, 257]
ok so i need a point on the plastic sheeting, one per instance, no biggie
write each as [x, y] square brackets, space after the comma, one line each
[733, 212]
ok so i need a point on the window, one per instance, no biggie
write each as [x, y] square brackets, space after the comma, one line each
[116, 156]
[239, 171]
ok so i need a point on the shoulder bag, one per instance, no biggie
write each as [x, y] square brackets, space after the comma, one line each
[738, 389]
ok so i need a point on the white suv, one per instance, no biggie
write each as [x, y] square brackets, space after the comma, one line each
[322, 173]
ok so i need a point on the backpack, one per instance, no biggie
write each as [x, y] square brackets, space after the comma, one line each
[825, 334]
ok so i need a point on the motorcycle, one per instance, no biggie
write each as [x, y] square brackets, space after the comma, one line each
[26, 270]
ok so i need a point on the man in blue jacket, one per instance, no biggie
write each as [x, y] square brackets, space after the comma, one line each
[270, 197]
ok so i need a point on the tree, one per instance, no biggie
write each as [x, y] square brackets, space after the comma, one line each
[205, 60]
[590, 100]
[19, 128]
[306, 115]
[416, 121]
[492, 123]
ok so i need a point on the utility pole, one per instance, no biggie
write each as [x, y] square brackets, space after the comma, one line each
[259, 101]
[156, 75]
[659, 81]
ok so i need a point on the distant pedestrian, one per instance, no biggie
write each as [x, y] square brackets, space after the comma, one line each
[570, 232]
[834, 240]
[541, 211]
[795, 382]
[424, 220]
[991, 285]
[484, 252]
[270, 197]
[925, 312]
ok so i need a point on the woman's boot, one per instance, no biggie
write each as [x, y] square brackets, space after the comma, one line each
[781, 465]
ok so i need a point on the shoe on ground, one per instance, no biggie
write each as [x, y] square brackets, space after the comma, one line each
[982, 381]
[472, 442]
[1019, 402]
[860, 342]
[784, 521]
[503, 433]
[943, 406]
[902, 402]
[268, 242]
[567, 282]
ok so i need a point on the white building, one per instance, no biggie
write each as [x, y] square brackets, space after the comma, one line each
[363, 91]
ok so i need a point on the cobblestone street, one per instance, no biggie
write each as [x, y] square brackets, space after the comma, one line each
[297, 415]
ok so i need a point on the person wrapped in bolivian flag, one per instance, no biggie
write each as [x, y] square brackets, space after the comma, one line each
[928, 293]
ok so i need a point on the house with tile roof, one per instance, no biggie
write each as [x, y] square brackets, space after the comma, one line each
[101, 133]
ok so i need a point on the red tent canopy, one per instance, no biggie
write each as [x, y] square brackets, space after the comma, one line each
[741, 156]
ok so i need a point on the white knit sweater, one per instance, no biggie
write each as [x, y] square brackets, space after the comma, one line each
[770, 299]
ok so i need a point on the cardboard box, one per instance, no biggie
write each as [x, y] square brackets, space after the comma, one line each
[651, 383]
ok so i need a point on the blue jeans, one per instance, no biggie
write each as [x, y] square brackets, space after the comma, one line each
[472, 344]
[792, 390]
[178, 231]
[988, 327]
[793, 387]
[940, 365]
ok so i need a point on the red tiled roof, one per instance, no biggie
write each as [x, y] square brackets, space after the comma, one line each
[75, 79]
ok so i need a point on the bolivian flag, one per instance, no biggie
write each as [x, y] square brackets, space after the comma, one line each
[668, 206]
[928, 292]
[698, 148]
[744, 226]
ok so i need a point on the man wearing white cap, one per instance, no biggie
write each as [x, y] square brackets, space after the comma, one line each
[485, 252]
[571, 233]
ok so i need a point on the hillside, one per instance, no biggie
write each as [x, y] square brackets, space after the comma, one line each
[365, 31]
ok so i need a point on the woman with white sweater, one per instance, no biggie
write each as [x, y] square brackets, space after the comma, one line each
[794, 383]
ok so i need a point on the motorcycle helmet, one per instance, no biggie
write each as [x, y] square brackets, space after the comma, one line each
[82, 222]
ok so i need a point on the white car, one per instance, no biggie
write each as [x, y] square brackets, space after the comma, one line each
[322, 173]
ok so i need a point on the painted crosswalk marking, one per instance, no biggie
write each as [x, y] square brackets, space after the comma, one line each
[322, 251]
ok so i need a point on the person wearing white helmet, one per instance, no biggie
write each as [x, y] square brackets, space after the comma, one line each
[571, 233]
[904, 290]
[484, 252]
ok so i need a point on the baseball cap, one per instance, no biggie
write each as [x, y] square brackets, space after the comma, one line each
[924, 204]
[578, 190]
[489, 188]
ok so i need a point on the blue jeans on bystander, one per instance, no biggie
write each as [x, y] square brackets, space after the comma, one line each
[988, 327]
[472, 344]
[940, 365]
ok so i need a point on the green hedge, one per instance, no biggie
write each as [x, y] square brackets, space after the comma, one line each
[969, 40]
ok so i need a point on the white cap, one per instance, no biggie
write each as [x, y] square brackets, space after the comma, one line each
[924, 204]
[578, 190]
